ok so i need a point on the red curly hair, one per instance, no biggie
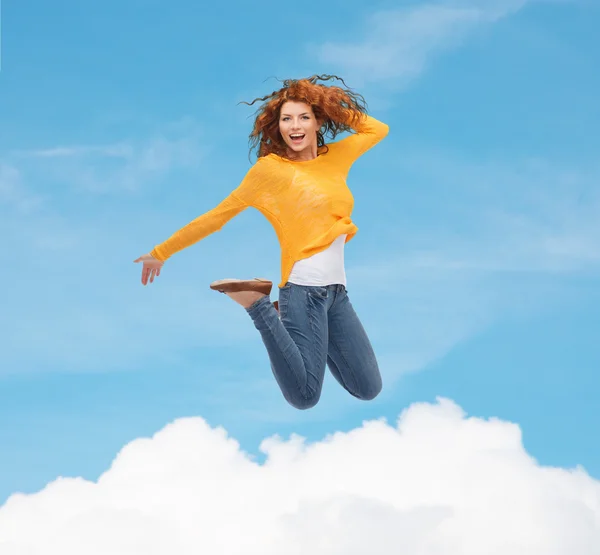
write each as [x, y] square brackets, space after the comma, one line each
[329, 104]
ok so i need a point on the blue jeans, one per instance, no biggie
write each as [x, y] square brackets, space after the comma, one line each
[316, 325]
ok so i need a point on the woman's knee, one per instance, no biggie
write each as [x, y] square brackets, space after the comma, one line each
[371, 390]
[302, 402]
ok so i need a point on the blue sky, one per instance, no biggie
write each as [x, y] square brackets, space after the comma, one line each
[476, 268]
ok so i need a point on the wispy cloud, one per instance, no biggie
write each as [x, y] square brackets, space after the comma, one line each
[125, 151]
[124, 166]
[13, 192]
[399, 44]
[65, 248]
[524, 216]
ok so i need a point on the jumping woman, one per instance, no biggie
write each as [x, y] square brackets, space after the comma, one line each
[299, 184]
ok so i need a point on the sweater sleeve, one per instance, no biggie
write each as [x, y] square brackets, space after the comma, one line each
[213, 220]
[369, 132]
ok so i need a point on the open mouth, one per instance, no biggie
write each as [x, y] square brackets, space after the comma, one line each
[297, 138]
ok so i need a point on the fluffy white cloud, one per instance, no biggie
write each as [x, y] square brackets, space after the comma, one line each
[438, 482]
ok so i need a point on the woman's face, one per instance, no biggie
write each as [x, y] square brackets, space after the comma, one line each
[298, 119]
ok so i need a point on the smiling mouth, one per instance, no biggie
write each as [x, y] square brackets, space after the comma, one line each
[296, 139]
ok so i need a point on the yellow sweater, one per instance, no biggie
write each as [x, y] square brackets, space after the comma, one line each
[308, 203]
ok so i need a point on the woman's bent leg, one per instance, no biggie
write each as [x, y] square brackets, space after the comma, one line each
[296, 340]
[351, 357]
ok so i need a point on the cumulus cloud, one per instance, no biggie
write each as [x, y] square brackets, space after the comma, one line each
[437, 482]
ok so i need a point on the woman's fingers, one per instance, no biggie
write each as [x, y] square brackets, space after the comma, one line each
[151, 267]
[149, 273]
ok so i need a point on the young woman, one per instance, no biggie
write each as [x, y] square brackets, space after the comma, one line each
[299, 184]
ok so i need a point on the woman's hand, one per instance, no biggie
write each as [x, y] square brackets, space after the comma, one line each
[150, 268]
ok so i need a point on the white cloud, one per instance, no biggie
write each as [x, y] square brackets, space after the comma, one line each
[527, 216]
[118, 151]
[124, 166]
[437, 483]
[399, 43]
[13, 192]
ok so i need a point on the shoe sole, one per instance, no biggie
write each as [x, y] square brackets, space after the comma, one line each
[235, 285]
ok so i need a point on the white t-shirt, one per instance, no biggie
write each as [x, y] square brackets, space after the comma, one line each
[323, 268]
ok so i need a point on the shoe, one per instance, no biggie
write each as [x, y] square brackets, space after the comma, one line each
[230, 285]
[276, 305]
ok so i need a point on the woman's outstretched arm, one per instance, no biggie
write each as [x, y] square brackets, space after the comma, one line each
[202, 226]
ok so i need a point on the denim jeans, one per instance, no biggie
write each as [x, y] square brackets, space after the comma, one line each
[316, 326]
